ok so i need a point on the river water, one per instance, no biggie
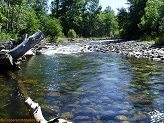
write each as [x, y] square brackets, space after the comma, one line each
[86, 87]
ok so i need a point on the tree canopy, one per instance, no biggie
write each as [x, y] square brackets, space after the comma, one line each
[85, 17]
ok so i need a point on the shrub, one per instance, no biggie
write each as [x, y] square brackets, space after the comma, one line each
[53, 28]
[71, 34]
[160, 41]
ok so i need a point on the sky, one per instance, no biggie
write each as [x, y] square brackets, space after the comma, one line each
[114, 4]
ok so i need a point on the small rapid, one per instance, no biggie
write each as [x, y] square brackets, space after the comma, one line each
[68, 48]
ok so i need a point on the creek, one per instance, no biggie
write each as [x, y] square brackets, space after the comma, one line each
[84, 86]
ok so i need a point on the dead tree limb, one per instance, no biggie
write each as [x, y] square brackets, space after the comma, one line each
[36, 113]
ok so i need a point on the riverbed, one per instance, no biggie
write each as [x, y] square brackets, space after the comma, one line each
[86, 86]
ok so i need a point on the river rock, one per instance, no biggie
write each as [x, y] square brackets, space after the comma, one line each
[125, 122]
[132, 48]
[82, 118]
[137, 117]
[67, 115]
[156, 59]
[121, 117]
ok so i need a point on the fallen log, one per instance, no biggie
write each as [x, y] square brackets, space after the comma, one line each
[26, 45]
[9, 58]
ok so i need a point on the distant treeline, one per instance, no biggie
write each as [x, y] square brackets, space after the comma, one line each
[143, 19]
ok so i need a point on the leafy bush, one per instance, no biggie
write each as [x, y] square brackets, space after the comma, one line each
[160, 41]
[4, 37]
[71, 34]
[53, 29]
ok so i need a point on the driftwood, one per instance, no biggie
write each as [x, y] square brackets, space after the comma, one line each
[26, 45]
[9, 58]
[36, 113]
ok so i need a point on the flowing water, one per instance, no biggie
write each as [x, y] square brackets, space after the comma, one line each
[86, 87]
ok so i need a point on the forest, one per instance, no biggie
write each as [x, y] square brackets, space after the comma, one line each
[142, 20]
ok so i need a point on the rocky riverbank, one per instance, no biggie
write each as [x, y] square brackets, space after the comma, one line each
[131, 49]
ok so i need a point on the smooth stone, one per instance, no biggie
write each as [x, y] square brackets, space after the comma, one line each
[156, 59]
[125, 122]
[121, 117]
[82, 118]
[67, 115]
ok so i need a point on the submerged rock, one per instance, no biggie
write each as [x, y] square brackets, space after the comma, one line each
[82, 118]
[121, 117]
[125, 122]
[67, 115]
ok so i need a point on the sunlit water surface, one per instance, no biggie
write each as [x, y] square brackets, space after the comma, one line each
[84, 86]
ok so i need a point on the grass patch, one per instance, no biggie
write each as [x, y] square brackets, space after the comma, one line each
[146, 39]
[159, 41]
[6, 37]
[62, 39]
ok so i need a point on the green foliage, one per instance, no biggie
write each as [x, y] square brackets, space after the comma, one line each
[161, 26]
[130, 19]
[108, 25]
[19, 17]
[84, 17]
[71, 34]
[80, 15]
[4, 37]
[29, 23]
[2, 15]
[91, 18]
[152, 22]
[159, 41]
[70, 14]
[152, 18]
[143, 19]
[53, 29]
[40, 7]
[123, 22]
